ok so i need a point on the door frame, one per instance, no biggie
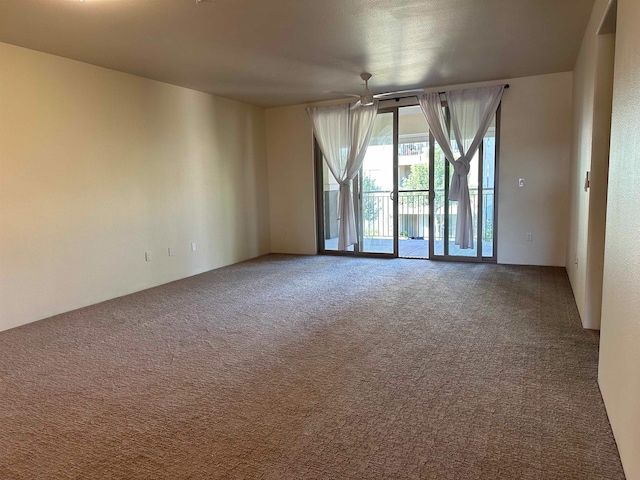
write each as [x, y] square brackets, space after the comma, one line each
[357, 188]
[478, 258]
[394, 194]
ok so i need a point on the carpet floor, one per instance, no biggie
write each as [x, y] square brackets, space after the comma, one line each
[288, 367]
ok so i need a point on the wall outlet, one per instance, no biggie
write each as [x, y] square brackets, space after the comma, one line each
[193, 246]
[529, 237]
[147, 256]
[170, 251]
[521, 182]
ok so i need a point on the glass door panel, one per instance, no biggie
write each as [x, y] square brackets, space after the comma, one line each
[472, 179]
[488, 191]
[377, 189]
[413, 183]
[440, 189]
[330, 213]
[481, 180]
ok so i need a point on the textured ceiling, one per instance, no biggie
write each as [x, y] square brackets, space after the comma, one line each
[283, 52]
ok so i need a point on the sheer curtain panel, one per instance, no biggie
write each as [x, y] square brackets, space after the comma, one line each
[343, 132]
[471, 111]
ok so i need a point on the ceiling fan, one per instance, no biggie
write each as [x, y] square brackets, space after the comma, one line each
[367, 98]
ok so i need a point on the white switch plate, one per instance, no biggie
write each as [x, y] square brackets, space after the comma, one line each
[521, 182]
[147, 256]
[193, 246]
[587, 181]
[170, 251]
[529, 237]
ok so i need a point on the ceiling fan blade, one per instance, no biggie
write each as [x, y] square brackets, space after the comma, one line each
[341, 94]
[399, 92]
[367, 98]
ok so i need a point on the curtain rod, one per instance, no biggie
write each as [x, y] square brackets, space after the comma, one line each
[397, 99]
[505, 86]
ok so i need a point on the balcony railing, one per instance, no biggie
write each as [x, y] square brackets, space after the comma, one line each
[413, 214]
[411, 149]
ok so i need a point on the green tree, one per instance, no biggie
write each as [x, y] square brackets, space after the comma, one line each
[370, 206]
[418, 178]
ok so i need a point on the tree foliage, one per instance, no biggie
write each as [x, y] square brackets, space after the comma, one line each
[370, 205]
[418, 179]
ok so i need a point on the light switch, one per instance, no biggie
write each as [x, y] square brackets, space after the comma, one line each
[521, 182]
[587, 181]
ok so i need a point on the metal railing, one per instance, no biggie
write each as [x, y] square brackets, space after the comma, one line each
[411, 149]
[413, 214]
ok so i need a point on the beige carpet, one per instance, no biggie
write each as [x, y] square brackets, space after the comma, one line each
[312, 368]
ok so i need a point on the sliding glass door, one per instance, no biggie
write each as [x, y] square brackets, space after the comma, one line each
[374, 191]
[414, 177]
[482, 182]
[376, 203]
[401, 194]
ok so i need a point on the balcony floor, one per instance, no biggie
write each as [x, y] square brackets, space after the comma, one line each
[413, 248]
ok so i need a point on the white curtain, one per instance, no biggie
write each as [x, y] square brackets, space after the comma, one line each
[343, 133]
[471, 113]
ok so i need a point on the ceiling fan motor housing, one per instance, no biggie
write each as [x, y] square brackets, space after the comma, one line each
[366, 99]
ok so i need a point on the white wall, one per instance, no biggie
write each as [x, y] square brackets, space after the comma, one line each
[97, 167]
[291, 184]
[589, 152]
[598, 179]
[535, 142]
[619, 372]
[535, 137]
